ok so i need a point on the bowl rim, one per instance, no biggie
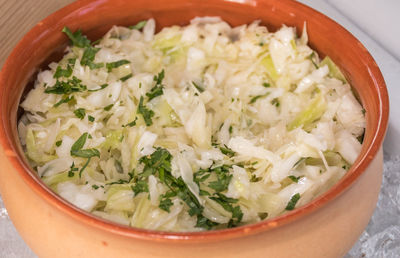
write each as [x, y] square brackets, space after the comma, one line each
[87, 218]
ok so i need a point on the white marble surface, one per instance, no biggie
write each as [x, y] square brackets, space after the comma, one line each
[375, 24]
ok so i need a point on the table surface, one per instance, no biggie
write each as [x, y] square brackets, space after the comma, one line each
[382, 236]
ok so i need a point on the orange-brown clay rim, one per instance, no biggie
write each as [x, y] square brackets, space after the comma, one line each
[41, 189]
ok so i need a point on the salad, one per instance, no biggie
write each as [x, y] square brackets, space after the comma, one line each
[192, 128]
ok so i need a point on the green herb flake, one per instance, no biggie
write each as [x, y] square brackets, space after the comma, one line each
[90, 118]
[140, 187]
[203, 193]
[198, 87]
[84, 166]
[118, 182]
[131, 124]
[145, 112]
[126, 77]
[223, 178]
[275, 102]
[255, 98]
[95, 187]
[77, 38]
[58, 143]
[138, 26]
[165, 204]
[80, 113]
[165, 201]
[263, 215]
[266, 85]
[227, 204]
[294, 178]
[157, 90]
[88, 58]
[72, 170]
[299, 162]
[66, 87]
[195, 208]
[108, 108]
[116, 64]
[60, 72]
[64, 100]
[203, 222]
[103, 86]
[312, 57]
[228, 152]
[255, 179]
[77, 151]
[292, 203]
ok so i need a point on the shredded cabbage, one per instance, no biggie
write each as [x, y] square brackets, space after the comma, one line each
[193, 128]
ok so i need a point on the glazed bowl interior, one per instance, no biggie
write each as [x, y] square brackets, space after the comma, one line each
[45, 43]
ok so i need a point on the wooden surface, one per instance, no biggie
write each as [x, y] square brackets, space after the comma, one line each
[17, 17]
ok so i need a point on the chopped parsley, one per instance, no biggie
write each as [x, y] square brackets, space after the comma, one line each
[108, 108]
[126, 77]
[223, 178]
[294, 178]
[116, 64]
[157, 90]
[90, 118]
[292, 203]
[77, 38]
[266, 85]
[103, 86]
[88, 58]
[82, 41]
[95, 187]
[60, 72]
[165, 200]
[145, 112]
[138, 26]
[139, 187]
[255, 98]
[203, 222]
[312, 57]
[80, 113]
[228, 152]
[159, 164]
[131, 124]
[66, 99]
[72, 170]
[77, 151]
[198, 87]
[58, 143]
[118, 182]
[66, 87]
[227, 204]
[263, 215]
[299, 162]
[275, 102]
[255, 179]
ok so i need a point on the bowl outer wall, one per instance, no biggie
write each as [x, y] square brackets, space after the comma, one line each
[96, 17]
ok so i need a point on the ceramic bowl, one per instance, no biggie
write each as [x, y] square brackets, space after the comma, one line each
[326, 227]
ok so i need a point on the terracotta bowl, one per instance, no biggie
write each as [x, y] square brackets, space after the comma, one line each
[326, 227]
